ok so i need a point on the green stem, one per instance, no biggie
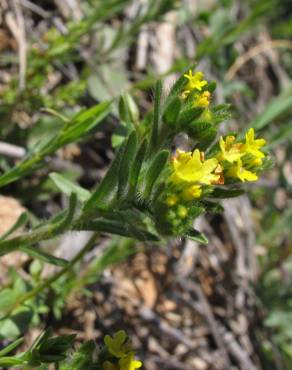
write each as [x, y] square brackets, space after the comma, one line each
[47, 283]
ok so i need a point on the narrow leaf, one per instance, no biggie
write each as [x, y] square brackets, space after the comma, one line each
[128, 110]
[136, 168]
[172, 111]
[43, 256]
[125, 164]
[196, 236]
[225, 193]
[107, 186]
[155, 170]
[68, 187]
[83, 122]
[118, 228]
[156, 114]
[9, 362]
[186, 117]
[74, 130]
[11, 347]
[21, 221]
[64, 223]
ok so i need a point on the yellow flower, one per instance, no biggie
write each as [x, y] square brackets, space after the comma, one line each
[195, 82]
[171, 200]
[237, 170]
[203, 100]
[182, 212]
[117, 345]
[189, 167]
[219, 171]
[185, 94]
[230, 151]
[128, 362]
[191, 192]
[256, 162]
[253, 145]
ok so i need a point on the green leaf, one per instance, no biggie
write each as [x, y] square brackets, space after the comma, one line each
[119, 228]
[11, 347]
[43, 256]
[196, 236]
[48, 349]
[68, 187]
[8, 297]
[105, 190]
[212, 206]
[9, 362]
[171, 112]
[220, 113]
[225, 193]
[121, 133]
[198, 128]
[83, 358]
[205, 138]
[128, 110]
[211, 86]
[65, 222]
[156, 115]
[80, 125]
[155, 171]
[21, 221]
[136, 168]
[83, 123]
[203, 132]
[125, 164]
[188, 116]
[17, 324]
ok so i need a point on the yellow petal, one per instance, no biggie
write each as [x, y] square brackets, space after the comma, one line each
[129, 363]
[189, 167]
[244, 174]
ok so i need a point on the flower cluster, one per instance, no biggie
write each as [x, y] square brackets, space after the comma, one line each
[189, 175]
[194, 88]
[241, 160]
[193, 175]
[120, 353]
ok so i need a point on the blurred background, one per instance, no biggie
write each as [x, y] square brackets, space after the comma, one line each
[227, 305]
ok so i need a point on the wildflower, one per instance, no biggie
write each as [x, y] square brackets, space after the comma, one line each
[171, 200]
[185, 94]
[189, 167]
[219, 171]
[128, 362]
[253, 145]
[202, 100]
[117, 345]
[230, 151]
[195, 82]
[182, 212]
[237, 170]
[255, 162]
[191, 192]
